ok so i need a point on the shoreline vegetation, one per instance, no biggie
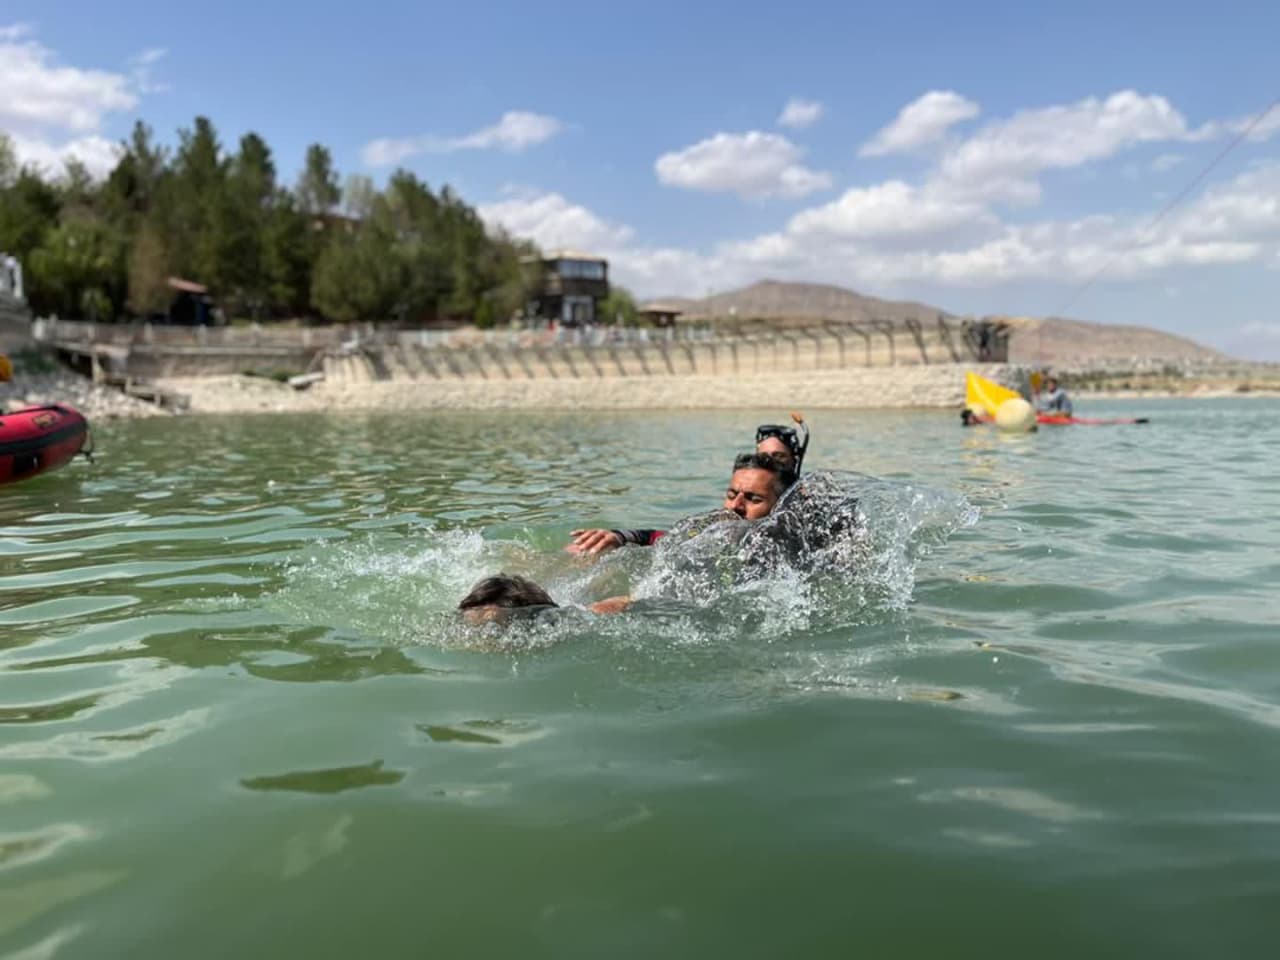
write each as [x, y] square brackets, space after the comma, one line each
[320, 249]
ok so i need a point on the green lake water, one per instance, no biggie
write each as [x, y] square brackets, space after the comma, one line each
[1039, 716]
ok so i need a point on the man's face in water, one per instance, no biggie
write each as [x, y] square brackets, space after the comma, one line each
[776, 448]
[752, 493]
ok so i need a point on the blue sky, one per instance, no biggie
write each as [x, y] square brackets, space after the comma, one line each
[983, 157]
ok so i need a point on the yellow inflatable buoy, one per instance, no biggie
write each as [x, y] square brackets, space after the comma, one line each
[985, 396]
[1015, 415]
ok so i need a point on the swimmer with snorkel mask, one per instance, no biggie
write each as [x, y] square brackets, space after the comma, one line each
[786, 444]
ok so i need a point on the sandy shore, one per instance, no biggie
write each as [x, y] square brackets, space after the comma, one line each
[932, 387]
[876, 387]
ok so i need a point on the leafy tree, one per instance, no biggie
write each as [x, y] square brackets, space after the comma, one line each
[318, 191]
[28, 209]
[288, 256]
[8, 161]
[148, 270]
[196, 228]
[132, 186]
[77, 270]
[98, 248]
[356, 279]
[241, 222]
[619, 307]
[358, 196]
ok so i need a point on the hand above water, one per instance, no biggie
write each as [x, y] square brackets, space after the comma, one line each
[593, 541]
[611, 605]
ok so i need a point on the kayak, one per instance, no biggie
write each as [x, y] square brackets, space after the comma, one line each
[39, 439]
[983, 398]
[1057, 421]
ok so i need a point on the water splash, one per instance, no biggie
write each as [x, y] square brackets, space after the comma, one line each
[840, 549]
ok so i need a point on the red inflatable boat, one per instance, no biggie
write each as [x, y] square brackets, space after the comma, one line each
[38, 439]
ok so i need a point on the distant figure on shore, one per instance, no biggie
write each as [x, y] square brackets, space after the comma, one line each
[1053, 399]
[11, 276]
[784, 444]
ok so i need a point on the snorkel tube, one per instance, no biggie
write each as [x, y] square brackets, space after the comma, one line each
[804, 443]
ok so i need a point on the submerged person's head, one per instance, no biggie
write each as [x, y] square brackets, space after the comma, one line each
[496, 597]
[758, 480]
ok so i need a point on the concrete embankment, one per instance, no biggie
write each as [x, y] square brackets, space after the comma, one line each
[934, 386]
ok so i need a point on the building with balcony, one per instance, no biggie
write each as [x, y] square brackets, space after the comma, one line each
[569, 287]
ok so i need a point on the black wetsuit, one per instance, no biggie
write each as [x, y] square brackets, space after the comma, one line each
[641, 538]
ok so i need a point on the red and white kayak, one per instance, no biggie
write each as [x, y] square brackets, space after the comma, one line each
[1053, 420]
[1059, 421]
[39, 439]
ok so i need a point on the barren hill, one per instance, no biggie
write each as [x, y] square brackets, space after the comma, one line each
[775, 299]
[1054, 340]
[1058, 340]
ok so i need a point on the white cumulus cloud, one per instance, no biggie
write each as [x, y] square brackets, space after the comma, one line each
[515, 132]
[800, 113]
[1166, 162]
[751, 164]
[946, 229]
[923, 121]
[552, 221]
[142, 68]
[1003, 158]
[53, 111]
[38, 92]
[890, 209]
[98, 154]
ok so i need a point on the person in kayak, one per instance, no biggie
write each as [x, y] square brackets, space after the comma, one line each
[786, 445]
[1053, 399]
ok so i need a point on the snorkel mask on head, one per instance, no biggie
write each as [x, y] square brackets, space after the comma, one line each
[796, 442]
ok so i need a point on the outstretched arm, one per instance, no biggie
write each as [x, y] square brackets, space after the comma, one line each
[598, 541]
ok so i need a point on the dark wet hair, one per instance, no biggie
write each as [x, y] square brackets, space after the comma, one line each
[783, 475]
[506, 591]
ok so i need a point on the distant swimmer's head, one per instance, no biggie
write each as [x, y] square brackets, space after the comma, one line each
[496, 598]
[783, 442]
[758, 480]
[776, 447]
